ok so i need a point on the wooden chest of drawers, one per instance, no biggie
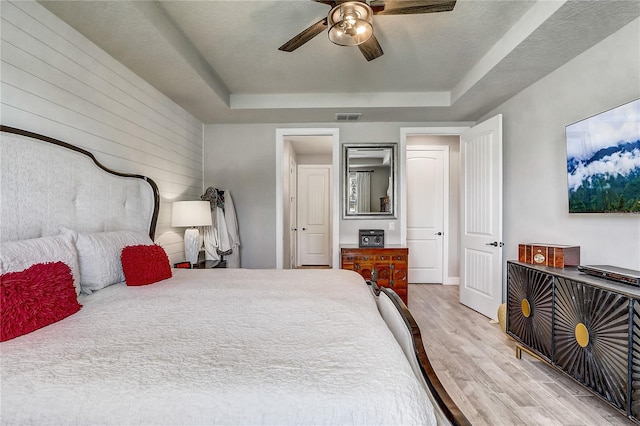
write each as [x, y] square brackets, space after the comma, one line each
[386, 266]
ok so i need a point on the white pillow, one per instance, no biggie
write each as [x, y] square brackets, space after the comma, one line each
[16, 256]
[99, 257]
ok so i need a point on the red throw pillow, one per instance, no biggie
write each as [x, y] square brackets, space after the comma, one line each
[145, 264]
[36, 297]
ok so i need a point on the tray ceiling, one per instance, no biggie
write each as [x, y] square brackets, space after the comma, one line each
[220, 61]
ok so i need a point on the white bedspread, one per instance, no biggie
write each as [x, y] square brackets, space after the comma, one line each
[216, 347]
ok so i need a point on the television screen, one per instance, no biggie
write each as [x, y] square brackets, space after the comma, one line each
[603, 161]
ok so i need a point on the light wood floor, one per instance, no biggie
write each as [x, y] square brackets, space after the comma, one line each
[476, 363]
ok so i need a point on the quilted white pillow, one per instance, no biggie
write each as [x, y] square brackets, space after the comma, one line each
[99, 257]
[16, 256]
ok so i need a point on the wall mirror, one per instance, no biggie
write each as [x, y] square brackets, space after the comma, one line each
[369, 173]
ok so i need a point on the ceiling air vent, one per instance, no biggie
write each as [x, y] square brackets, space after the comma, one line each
[348, 116]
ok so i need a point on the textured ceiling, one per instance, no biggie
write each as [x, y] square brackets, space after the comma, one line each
[219, 59]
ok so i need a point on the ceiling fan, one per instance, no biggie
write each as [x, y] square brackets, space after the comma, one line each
[350, 22]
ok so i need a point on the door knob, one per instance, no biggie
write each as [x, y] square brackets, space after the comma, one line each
[438, 233]
[495, 244]
[304, 229]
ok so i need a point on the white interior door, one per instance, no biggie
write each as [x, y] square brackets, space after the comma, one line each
[481, 227]
[314, 215]
[293, 212]
[427, 179]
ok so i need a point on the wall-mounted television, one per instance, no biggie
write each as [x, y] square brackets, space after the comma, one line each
[603, 161]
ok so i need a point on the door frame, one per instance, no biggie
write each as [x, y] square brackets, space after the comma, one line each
[281, 134]
[426, 131]
[293, 218]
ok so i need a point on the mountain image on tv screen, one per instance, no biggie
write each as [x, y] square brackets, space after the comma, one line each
[603, 161]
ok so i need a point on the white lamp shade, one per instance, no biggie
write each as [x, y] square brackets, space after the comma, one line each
[191, 213]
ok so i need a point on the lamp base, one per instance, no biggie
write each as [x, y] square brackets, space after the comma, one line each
[191, 245]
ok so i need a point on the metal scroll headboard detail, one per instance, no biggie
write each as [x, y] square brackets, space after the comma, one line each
[47, 184]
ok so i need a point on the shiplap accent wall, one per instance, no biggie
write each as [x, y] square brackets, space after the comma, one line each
[58, 83]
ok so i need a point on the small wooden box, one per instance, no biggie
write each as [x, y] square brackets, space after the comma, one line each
[557, 256]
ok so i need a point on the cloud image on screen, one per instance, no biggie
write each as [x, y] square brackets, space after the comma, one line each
[603, 161]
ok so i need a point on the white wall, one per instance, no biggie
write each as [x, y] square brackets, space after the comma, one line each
[57, 83]
[241, 157]
[535, 182]
[319, 159]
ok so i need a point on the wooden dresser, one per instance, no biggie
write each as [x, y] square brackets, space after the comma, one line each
[387, 266]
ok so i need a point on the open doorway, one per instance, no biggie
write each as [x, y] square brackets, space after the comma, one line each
[431, 204]
[307, 192]
[478, 215]
[429, 201]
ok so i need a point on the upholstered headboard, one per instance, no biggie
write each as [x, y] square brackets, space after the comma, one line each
[46, 184]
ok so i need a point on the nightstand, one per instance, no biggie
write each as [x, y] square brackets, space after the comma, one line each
[203, 264]
[210, 264]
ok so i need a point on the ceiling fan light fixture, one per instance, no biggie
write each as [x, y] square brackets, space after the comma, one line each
[350, 23]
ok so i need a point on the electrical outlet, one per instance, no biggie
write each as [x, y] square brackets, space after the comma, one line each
[392, 226]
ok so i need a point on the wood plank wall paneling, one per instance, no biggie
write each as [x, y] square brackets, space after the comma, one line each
[58, 83]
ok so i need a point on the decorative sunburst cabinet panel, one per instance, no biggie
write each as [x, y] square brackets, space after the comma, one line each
[530, 306]
[635, 368]
[591, 331]
[585, 326]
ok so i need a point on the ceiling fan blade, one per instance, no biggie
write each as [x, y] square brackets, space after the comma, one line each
[304, 36]
[334, 3]
[371, 49]
[408, 7]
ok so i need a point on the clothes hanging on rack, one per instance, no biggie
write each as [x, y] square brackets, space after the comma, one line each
[222, 239]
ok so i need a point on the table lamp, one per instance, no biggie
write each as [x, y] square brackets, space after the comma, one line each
[191, 214]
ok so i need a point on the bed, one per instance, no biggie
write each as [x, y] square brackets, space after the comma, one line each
[206, 346]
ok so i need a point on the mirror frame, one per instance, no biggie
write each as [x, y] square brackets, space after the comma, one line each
[345, 181]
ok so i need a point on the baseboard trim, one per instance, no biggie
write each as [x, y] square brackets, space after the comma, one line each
[451, 281]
